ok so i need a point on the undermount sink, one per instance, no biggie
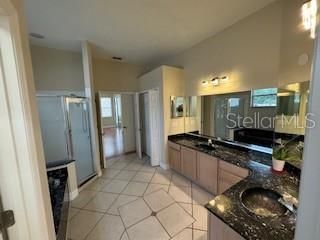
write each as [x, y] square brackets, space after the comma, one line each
[263, 202]
[205, 146]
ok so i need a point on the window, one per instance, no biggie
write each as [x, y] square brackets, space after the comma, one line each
[266, 97]
[106, 107]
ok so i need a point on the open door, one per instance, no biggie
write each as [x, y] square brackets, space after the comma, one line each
[128, 122]
[137, 125]
[156, 139]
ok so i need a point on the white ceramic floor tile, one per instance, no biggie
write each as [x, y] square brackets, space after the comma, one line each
[118, 165]
[134, 212]
[143, 177]
[98, 184]
[82, 224]
[148, 229]
[101, 202]
[200, 214]
[161, 178]
[125, 175]
[158, 200]
[134, 166]
[72, 213]
[121, 200]
[187, 207]
[181, 181]
[147, 168]
[174, 219]
[186, 234]
[84, 197]
[200, 196]
[199, 235]
[180, 194]
[110, 173]
[153, 187]
[124, 236]
[115, 186]
[110, 227]
[135, 189]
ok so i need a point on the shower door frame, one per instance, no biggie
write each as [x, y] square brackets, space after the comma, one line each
[65, 105]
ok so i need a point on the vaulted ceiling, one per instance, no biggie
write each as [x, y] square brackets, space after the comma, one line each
[139, 31]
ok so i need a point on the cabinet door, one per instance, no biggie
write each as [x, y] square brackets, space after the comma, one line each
[189, 163]
[226, 180]
[207, 172]
[218, 230]
[174, 159]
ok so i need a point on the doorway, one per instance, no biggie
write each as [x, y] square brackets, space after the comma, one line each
[117, 124]
[145, 124]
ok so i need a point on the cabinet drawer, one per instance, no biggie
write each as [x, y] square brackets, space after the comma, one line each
[174, 145]
[235, 170]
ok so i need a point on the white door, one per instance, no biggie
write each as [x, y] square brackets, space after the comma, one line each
[147, 130]
[128, 122]
[137, 125]
[23, 180]
[154, 120]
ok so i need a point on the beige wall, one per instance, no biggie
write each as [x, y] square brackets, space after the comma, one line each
[57, 70]
[248, 52]
[295, 42]
[115, 76]
[170, 82]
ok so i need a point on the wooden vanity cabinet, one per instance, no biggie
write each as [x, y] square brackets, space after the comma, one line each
[174, 156]
[218, 230]
[229, 175]
[207, 172]
[189, 163]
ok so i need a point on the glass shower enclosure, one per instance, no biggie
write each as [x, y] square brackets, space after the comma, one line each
[65, 130]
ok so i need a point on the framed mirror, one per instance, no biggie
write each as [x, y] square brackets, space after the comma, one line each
[177, 106]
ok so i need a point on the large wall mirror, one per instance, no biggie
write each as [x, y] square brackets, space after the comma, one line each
[245, 117]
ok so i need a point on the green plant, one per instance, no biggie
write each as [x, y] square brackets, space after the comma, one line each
[287, 151]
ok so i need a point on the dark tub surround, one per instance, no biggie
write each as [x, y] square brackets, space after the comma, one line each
[227, 210]
[59, 194]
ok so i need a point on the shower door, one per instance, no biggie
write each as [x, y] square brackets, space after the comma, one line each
[77, 113]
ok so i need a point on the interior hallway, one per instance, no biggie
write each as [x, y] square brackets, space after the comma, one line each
[112, 142]
[135, 201]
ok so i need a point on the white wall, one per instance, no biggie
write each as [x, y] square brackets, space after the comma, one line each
[57, 70]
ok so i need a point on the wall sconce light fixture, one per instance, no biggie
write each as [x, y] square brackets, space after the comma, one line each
[309, 17]
[215, 81]
[204, 83]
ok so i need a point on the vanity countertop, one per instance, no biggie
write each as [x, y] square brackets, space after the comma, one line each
[228, 207]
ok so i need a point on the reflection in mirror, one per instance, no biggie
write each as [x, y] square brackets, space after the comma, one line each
[177, 106]
[291, 121]
[292, 108]
[245, 117]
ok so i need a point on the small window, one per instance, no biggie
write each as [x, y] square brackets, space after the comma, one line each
[106, 107]
[266, 97]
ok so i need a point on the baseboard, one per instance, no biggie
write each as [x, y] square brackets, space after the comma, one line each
[74, 194]
[164, 166]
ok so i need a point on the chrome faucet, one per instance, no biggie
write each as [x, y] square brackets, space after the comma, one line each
[290, 202]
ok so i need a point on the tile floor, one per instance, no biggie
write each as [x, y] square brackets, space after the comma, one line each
[134, 201]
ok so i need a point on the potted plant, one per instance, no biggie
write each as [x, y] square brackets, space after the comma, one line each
[285, 151]
[280, 154]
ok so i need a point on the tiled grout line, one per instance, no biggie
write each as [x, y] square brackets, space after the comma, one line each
[148, 184]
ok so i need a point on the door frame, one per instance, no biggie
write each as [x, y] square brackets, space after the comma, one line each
[25, 175]
[155, 128]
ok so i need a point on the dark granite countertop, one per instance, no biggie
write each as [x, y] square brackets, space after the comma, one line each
[228, 206]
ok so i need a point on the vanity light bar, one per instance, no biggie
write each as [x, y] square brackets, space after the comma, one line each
[216, 81]
[309, 17]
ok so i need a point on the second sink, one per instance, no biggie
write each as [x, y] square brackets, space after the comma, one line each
[263, 202]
